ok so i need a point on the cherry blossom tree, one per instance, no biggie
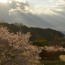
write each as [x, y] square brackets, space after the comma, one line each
[15, 49]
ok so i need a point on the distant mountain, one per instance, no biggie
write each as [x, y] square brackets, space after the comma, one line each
[37, 33]
[63, 32]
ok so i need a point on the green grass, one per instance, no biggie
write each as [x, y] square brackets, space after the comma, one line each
[53, 62]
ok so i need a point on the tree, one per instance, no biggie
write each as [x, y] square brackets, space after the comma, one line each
[15, 49]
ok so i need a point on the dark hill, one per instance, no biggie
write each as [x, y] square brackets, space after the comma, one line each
[37, 33]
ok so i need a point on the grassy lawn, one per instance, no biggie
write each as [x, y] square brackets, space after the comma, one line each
[50, 62]
[54, 62]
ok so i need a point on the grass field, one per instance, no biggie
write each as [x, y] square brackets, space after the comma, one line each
[48, 62]
[55, 62]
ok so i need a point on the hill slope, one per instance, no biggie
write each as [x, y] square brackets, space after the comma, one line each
[37, 33]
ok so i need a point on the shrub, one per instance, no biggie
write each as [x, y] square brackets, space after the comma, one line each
[40, 43]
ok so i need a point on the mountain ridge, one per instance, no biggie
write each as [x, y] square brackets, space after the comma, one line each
[37, 33]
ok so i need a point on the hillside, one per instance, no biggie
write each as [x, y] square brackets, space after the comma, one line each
[37, 33]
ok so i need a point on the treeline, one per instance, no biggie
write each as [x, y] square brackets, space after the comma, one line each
[39, 36]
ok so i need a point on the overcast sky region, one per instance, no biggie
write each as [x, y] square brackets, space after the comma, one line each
[34, 13]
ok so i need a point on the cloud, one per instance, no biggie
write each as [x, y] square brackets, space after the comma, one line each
[42, 10]
[48, 7]
[19, 6]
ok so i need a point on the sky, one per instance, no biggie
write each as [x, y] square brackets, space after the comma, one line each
[34, 13]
